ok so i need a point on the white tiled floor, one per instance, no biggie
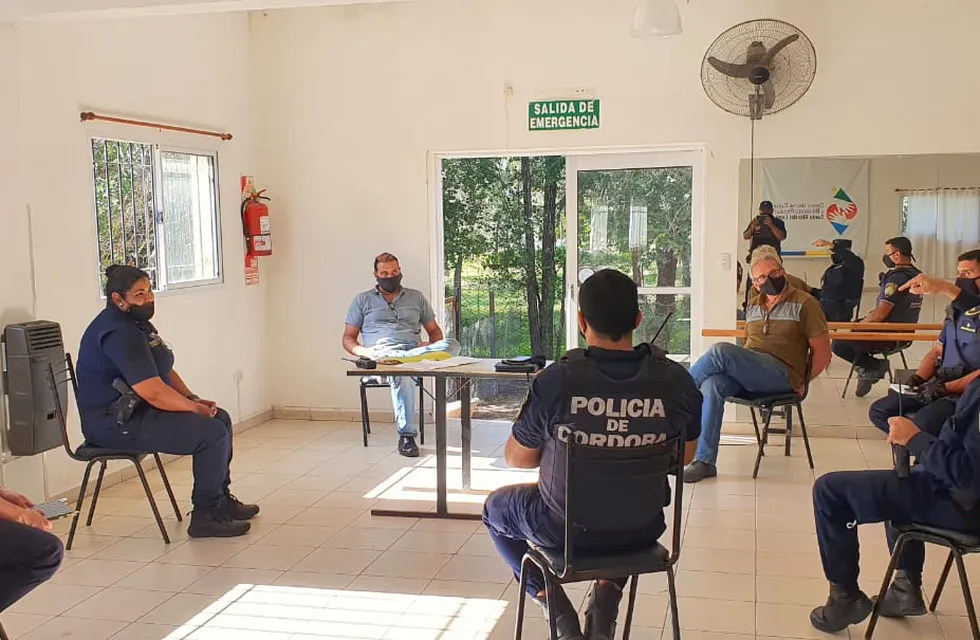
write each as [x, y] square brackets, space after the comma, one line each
[317, 565]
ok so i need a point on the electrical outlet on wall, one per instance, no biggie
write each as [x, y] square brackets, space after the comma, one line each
[238, 376]
[725, 261]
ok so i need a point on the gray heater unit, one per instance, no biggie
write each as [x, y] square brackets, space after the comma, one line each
[32, 416]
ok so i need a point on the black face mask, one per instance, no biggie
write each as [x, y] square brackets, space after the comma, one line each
[141, 312]
[888, 261]
[773, 286]
[968, 285]
[390, 285]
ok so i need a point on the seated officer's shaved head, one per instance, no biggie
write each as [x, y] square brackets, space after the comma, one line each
[609, 304]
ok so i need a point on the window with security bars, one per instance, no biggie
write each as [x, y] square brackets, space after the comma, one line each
[157, 209]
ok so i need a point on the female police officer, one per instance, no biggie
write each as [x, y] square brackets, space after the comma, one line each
[122, 348]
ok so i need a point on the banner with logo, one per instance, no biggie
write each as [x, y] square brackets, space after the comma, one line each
[818, 199]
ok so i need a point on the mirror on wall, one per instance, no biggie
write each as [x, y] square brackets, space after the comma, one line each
[934, 200]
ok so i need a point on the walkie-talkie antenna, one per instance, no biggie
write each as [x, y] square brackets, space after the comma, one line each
[662, 325]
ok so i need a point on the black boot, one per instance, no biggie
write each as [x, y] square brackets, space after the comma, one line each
[235, 509]
[566, 618]
[844, 608]
[213, 523]
[601, 609]
[407, 447]
[903, 598]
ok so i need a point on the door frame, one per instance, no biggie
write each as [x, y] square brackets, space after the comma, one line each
[434, 160]
[693, 158]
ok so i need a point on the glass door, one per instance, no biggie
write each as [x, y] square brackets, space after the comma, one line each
[639, 213]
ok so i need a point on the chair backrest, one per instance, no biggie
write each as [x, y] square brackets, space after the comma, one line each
[58, 375]
[806, 376]
[638, 478]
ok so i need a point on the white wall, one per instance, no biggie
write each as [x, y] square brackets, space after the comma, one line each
[190, 70]
[353, 99]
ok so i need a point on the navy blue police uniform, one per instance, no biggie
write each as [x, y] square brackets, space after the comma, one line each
[574, 398]
[117, 346]
[842, 283]
[942, 490]
[961, 355]
[905, 308]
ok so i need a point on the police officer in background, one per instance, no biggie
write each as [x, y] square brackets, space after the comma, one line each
[894, 305]
[951, 365]
[842, 283]
[609, 367]
[122, 354]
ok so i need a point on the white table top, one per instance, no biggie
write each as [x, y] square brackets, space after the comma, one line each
[483, 368]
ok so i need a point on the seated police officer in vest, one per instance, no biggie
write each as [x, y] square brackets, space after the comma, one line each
[29, 554]
[389, 319]
[783, 326]
[942, 490]
[842, 283]
[952, 363]
[894, 305]
[122, 354]
[610, 372]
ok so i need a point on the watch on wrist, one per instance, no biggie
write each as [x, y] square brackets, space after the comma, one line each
[193, 398]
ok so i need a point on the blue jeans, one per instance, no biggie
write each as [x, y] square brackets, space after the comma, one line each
[402, 388]
[727, 370]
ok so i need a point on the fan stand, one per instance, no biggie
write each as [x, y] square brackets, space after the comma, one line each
[756, 109]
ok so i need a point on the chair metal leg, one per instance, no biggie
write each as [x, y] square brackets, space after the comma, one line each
[630, 604]
[365, 416]
[149, 497]
[78, 505]
[762, 446]
[95, 494]
[549, 590]
[166, 484]
[675, 618]
[850, 374]
[971, 612]
[942, 581]
[905, 364]
[521, 601]
[788, 443]
[892, 563]
[755, 425]
[806, 438]
[421, 411]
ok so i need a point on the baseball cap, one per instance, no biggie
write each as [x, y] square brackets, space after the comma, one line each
[766, 206]
[842, 243]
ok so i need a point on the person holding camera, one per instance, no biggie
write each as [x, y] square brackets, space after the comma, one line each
[952, 363]
[765, 228]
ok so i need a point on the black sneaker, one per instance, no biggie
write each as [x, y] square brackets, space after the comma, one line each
[566, 618]
[601, 609]
[214, 524]
[843, 609]
[903, 598]
[867, 377]
[235, 509]
[407, 447]
[698, 471]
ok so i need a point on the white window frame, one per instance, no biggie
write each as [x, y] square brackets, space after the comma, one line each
[158, 148]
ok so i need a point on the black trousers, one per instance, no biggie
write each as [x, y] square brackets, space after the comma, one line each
[929, 417]
[837, 310]
[842, 500]
[859, 352]
[28, 557]
[208, 440]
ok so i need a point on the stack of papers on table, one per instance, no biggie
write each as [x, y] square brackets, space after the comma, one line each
[455, 361]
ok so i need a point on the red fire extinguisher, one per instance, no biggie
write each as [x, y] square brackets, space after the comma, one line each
[255, 223]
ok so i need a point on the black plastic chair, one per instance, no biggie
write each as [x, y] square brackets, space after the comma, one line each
[639, 476]
[777, 404]
[959, 545]
[884, 353]
[382, 382]
[91, 455]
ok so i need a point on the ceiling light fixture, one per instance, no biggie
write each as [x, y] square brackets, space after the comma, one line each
[656, 19]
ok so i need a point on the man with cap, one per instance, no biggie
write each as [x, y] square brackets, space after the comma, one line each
[953, 362]
[895, 304]
[765, 228]
[842, 283]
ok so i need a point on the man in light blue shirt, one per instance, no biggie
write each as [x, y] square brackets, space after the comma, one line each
[389, 320]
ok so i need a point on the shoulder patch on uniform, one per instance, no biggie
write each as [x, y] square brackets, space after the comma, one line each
[975, 311]
[890, 289]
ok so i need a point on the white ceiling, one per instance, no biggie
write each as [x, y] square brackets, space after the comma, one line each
[21, 10]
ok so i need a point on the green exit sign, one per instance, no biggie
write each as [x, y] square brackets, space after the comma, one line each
[558, 115]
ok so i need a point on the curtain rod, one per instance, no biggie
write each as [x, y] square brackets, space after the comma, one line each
[88, 116]
[939, 189]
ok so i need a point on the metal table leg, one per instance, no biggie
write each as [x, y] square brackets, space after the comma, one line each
[466, 431]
